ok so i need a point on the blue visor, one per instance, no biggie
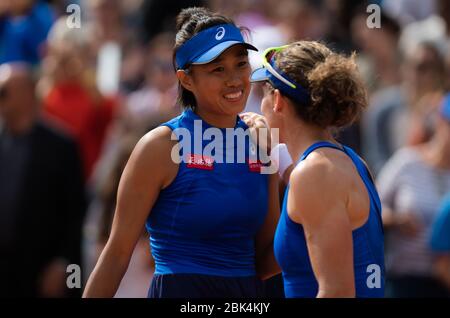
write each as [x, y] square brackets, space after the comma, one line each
[445, 107]
[208, 44]
[298, 94]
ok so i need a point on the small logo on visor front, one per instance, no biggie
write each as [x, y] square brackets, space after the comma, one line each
[220, 34]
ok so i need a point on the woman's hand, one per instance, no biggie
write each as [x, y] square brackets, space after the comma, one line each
[262, 136]
[259, 130]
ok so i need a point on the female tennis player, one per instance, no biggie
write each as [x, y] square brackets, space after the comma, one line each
[211, 224]
[329, 240]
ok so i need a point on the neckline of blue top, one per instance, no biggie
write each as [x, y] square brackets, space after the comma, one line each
[190, 114]
[319, 144]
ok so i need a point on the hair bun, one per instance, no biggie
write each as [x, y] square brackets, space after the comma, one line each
[337, 92]
[193, 14]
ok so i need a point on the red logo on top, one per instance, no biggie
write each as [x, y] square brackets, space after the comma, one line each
[255, 165]
[200, 162]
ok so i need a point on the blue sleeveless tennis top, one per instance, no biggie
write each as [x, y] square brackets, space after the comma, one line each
[368, 244]
[206, 220]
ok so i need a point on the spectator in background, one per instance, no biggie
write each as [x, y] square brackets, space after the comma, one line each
[116, 52]
[107, 20]
[424, 73]
[338, 16]
[299, 19]
[24, 26]
[41, 195]
[155, 101]
[407, 11]
[400, 114]
[435, 28]
[412, 185]
[380, 64]
[70, 95]
[143, 110]
[440, 243]
[380, 57]
[158, 16]
[425, 85]
[275, 23]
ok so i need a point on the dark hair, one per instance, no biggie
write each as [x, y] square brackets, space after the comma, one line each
[191, 21]
[337, 93]
[391, 25]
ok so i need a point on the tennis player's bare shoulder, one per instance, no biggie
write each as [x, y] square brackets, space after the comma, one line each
[316, 185]
[153, 154]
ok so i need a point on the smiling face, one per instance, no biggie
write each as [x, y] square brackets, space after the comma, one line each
[222, 86]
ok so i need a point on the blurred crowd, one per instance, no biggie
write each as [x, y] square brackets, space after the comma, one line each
[75, 100]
